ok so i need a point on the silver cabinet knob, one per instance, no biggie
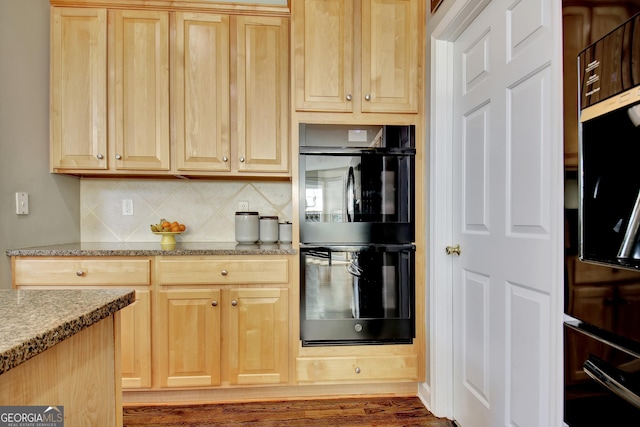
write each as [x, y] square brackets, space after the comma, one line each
[214, 303]
[241, 159]
[234, 303]
[100, 156]
[225, 159]
[357, 370]
[224, 272]
[118, 157]
[349, 97]
[367, 97]
[80, 273]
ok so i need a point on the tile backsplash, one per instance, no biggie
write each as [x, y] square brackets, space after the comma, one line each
[207, 208]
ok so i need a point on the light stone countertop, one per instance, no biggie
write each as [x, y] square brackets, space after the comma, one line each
[153, 249]
[36, 320]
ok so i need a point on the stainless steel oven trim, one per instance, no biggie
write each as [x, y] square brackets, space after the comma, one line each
[594, 369]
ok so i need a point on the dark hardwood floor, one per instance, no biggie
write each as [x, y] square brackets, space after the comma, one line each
[387, 412]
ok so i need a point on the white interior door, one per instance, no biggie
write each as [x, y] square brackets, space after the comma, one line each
[506, 216]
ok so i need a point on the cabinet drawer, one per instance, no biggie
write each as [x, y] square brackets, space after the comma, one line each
[82, 271]
[591, 273]
[222, 271]
[333, 369]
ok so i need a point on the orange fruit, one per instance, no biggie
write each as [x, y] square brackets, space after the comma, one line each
[174, 223]
[183, 227]
[166, 224]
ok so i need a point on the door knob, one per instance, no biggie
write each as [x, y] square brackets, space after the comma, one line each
[453, 250]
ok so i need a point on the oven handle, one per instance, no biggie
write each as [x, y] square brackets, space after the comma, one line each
[596, 369]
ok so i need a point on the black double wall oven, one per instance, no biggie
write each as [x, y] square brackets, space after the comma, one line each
[602, 322]
[357, 252]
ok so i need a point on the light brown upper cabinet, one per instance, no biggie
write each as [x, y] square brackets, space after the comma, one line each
[357, 55]
[249, 132]
[262, 78]
[147, 92]
[78, 88]
[139, 90]
[114, 122]
[201, 89]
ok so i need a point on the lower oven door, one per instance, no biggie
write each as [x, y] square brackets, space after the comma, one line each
[360, 294]
[602, 381]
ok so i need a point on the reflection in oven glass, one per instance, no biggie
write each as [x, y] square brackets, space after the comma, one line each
[329, 290]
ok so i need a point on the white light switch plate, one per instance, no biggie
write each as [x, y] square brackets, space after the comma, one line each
[22, 203]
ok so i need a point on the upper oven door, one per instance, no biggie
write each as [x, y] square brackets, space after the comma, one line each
[356, 196]
[356, 188]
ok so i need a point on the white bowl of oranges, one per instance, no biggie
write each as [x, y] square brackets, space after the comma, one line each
[168, 230]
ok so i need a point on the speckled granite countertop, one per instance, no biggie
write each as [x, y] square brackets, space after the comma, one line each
[152, 249]
[35, 320]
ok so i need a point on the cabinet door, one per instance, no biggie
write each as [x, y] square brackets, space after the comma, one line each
[189, 337]
[139, 90]
[136, 342]
[201, 92]
[390, 54]
[258, 336]
[262, 69]
[78, 88]
[323, 55]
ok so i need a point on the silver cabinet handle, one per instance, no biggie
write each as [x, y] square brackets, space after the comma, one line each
[234, 303]
[80, 273]
[100, 156]
[357, 370]
[241, 159]
[367, 97]
[349, 97]
[224, 272]
[118, 157]
[214, 303]
[225, 159]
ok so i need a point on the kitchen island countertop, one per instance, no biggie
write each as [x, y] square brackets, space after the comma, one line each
[153, 249]
[36, 320]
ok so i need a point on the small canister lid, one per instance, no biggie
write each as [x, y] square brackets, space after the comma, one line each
[269, 217]
[246, 213]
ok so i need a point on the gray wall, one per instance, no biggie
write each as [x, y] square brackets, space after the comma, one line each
[24, 137]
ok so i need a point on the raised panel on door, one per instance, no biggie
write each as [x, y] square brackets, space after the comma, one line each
[135, 335]
[258, 335]
[189, 337]
[323, 52]
[201, 92]
[262, 68]
[139, 90]
[390, 55]
[78, 88]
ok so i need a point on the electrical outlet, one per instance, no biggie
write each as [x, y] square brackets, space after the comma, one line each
[127, 207]
[243, 206]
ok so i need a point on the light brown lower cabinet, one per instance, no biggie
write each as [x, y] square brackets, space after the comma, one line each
[100, 273]
[135, 344]
[191, 323]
